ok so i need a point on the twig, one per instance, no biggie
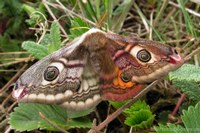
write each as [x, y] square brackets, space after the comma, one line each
[61, 6]
[7, 53]
[20, 59]
[7, 111]
[188, 57]
[10, 107]
[14, 62]
[188, 43]
[180, 101]
[3, 123]
[6, 86]
[119, 111]
[151, 27]
[193, 46]
[189, 10]
[4, 70]
[51, 123]
[178, 40]
[160, 13]
[54, 17]
[167, 18]
[196, 60]
[6, 99]
[8, 130]
[144, 20]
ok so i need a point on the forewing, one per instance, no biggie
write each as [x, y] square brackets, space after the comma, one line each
[64, 77]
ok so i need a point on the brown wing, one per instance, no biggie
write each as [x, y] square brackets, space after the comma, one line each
[126, 64]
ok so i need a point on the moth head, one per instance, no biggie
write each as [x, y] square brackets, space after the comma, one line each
[37, 76]
[46, 81]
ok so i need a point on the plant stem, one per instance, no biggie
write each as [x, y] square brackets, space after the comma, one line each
[119, 111]
[52, 124]
[54, 17]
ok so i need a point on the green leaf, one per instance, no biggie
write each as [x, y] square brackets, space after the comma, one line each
[139, 105]
[120, 15]
[35, 49]
[191, 118]
[46, 40]
[190, 88]
[140, 120]
[88, 10]
[187, 79]
[117, 104]
[29, 9]
[79, 123]
[187, 72]
[170, 128]
[55, 38]
[139, 116]
[188, 21]
[76, 114]
[162, 117]
[78, 27]
[26, 117]
[8, 45]
[36, 14]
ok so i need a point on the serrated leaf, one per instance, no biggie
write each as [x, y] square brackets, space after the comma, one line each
[46, 40]
[191, 89]
[78, 27]
[140, 120]
[187, 72]
[139, 115]
[191, 119]
[55, 38]
[35, 49]
[187, 78]
[79, 123]
[170, 128]
[76, 114]
[139, 105]
[26, 117]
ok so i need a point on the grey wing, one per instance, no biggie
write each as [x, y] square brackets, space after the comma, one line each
[88, 94]
[65, 78]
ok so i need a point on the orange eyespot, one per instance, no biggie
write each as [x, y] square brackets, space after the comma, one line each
[122, 80]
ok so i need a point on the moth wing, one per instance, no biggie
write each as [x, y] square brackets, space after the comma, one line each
[75, 86]
[88, 94]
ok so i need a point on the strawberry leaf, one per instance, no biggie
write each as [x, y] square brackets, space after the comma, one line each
[26, 117]
[38, 51]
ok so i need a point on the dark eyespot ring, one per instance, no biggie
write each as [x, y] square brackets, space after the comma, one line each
[143, 55]
[124, 78]
[51, 73]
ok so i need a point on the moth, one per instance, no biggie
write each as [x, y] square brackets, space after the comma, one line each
[94, 67]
